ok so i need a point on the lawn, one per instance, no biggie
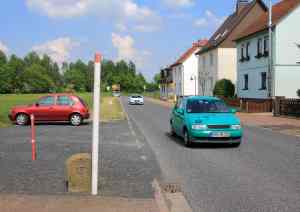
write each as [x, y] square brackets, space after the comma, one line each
[110, 107]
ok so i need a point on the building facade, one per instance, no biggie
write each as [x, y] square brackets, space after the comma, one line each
[185, 71]
[255, 78]
[217, 60]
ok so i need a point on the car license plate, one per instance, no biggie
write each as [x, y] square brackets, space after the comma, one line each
[219, 135]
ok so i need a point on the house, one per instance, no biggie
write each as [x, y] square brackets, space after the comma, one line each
[185, 71]
[167, 87]
[256, 79]
[217, 60]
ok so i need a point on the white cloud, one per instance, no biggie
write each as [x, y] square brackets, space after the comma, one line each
[121, 12]
[3, 48]
[210, 19]
[179, 3]
[59, 49]
[127, 51]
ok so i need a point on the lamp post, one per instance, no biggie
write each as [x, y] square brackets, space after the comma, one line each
[270, 68]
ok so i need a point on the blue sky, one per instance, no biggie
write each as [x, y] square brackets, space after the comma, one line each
[152, 33]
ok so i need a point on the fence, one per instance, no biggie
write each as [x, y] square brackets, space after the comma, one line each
[286, 107]
[251, 105]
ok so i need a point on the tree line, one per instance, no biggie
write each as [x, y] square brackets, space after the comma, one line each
[40, 74]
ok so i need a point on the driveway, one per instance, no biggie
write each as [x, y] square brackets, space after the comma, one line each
[261, 175]
[127, 164]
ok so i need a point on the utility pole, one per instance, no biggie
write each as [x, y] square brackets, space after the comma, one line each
[270, 68]
[96, 121]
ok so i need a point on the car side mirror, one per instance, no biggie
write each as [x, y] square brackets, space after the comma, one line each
[180, 111]
[232, 110]
[37, 104]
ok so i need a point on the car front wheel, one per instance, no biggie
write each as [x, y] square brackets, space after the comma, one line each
[22, 119]
[187, 139]
[172, 132]
[75, 119]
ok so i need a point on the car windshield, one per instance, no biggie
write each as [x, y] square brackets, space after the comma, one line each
[206, 106]
[136, 97]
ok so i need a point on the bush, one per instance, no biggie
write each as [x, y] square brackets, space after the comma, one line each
[224, 88]
[298, 92]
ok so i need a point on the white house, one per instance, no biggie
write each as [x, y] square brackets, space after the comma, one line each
[255, 79]
[217, 60]
[185, 71]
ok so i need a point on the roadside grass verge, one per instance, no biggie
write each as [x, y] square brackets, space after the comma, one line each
[111, 109]
[7, 101]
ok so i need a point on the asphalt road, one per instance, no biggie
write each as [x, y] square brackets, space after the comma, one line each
[127, 165]
[263, 174]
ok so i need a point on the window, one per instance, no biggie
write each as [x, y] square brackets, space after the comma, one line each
[246, 81]
[64, 100]
[45, 101]
[211, 58]
[259, 48]
[242, 52]
[266, 46]
[204, 62]
[247, 51]
[263, 81]
[206, 106]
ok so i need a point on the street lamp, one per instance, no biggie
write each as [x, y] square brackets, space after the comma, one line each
[194, 77]
[270, 75]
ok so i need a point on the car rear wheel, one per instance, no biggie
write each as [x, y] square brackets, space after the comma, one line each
[75, 119]
[187, 139]
[22, 119]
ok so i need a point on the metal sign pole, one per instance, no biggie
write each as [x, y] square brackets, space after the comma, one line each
[96, 120]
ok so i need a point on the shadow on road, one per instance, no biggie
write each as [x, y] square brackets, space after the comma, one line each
[180, 142]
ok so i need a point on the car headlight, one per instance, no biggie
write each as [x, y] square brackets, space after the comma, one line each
[236, 127]
[199, 126]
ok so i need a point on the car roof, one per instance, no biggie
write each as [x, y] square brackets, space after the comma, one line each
[60, 94]
[201, 97]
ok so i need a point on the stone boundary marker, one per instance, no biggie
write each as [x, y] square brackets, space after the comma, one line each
[169, 198]
[78, 173]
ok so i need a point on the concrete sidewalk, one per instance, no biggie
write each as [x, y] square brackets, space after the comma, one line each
[60, 203]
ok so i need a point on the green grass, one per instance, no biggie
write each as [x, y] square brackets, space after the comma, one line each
[7, 101]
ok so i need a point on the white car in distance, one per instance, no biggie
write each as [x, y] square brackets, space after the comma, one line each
[136, 100]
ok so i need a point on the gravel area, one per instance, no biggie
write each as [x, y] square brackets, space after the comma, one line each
[127, 165]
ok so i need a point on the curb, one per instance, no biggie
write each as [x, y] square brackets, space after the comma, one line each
[170, 202]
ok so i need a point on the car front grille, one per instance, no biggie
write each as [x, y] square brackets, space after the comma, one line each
[218, 126]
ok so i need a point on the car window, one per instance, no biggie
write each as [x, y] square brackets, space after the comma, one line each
[45, 101]
[206, 106]
[64, 100]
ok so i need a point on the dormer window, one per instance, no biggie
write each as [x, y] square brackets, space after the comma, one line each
[218, 36]
[224, 33]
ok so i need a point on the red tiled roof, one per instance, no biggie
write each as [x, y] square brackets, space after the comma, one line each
[279, 11]
[229, 25]
[190, 51]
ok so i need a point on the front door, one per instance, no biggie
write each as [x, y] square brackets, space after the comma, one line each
[44, 109]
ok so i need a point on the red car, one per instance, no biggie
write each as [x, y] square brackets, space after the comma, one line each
[53, 107]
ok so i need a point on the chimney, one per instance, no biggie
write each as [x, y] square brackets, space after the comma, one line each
[241, 4]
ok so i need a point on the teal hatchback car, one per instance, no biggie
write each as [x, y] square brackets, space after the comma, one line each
[200, 119]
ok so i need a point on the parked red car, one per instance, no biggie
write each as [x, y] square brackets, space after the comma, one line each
[53, 107]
